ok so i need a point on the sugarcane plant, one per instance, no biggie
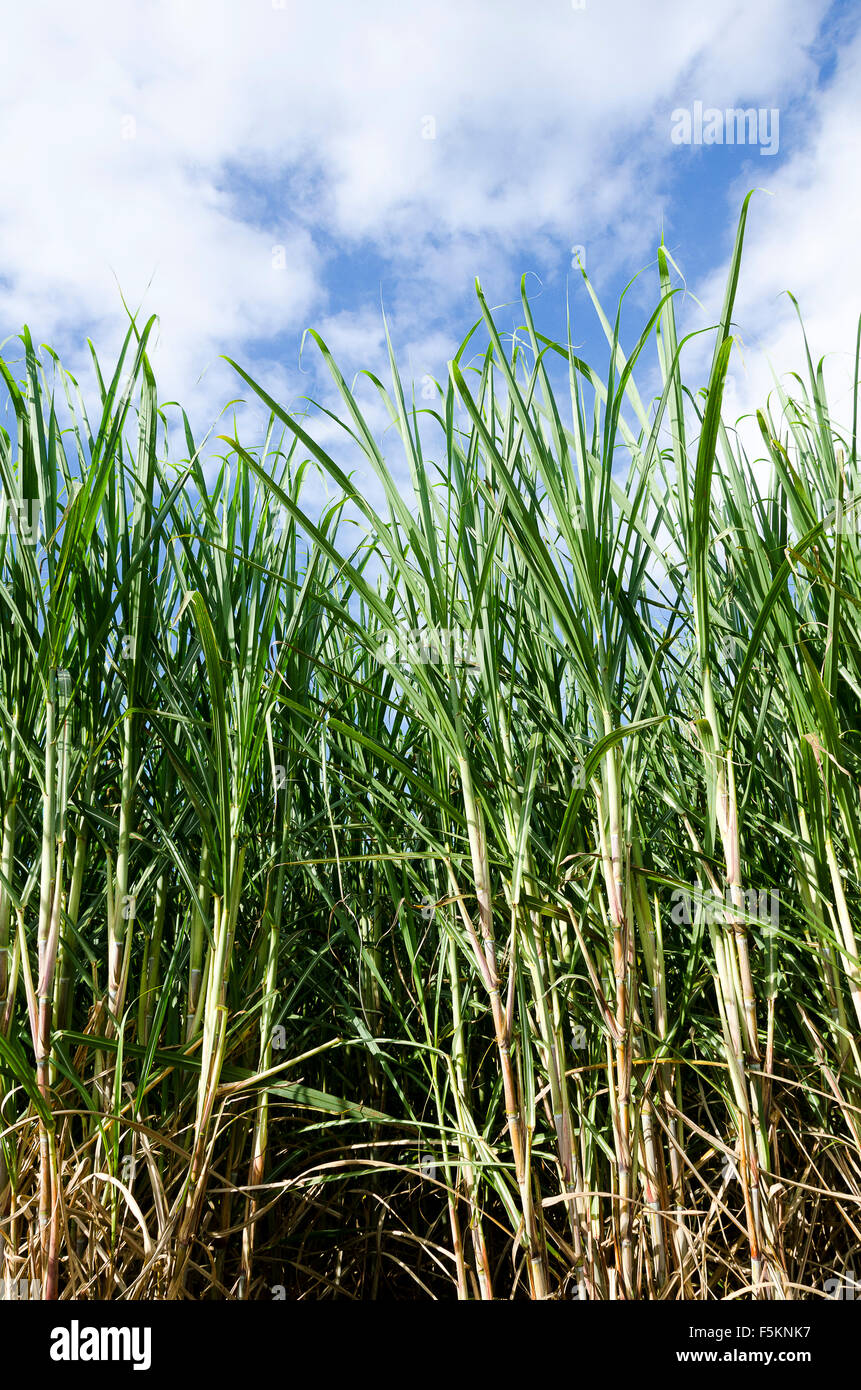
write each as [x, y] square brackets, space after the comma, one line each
[447, 887]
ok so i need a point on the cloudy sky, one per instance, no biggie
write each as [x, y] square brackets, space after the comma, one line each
[248, 168]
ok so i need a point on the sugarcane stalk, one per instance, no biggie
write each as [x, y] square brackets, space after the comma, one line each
[501, 1025]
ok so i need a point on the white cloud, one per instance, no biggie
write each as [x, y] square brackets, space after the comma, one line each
[253, 126]
[803, 235]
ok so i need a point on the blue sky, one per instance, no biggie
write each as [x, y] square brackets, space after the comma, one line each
[247, 168]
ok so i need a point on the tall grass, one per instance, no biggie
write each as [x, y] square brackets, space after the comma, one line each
[453, 896]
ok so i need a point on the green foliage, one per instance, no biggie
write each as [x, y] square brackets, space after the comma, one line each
[399, 914]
